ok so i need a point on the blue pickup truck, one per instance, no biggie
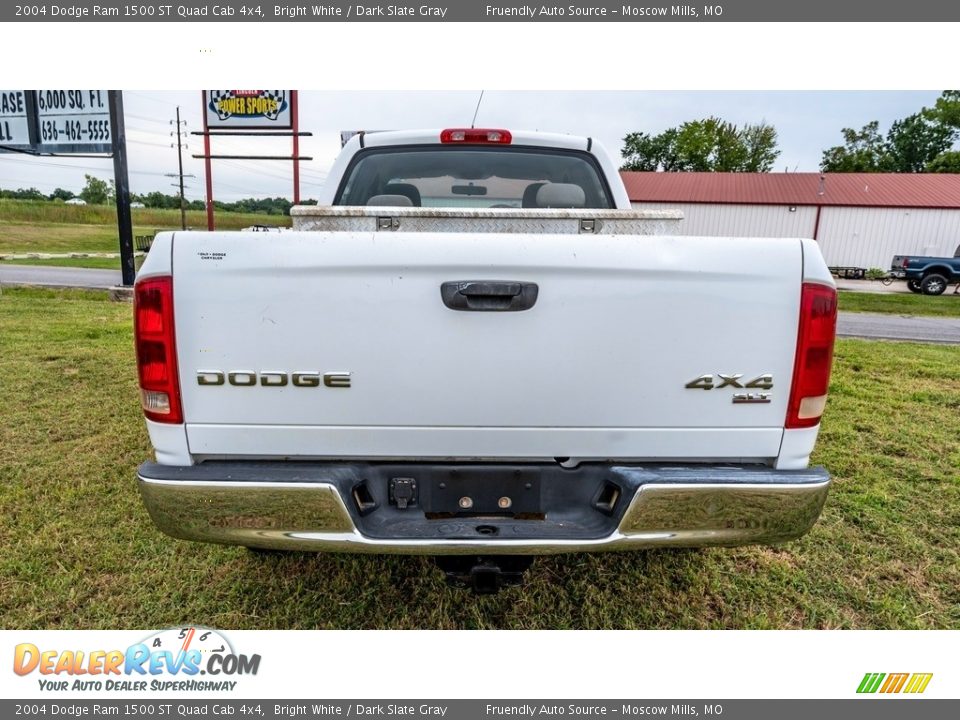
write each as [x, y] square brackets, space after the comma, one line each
[927, 275]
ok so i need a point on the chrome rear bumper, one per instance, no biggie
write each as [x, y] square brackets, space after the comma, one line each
[253, 505]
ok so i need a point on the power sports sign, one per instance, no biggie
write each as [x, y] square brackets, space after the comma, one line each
[248, 109]
[55, 121]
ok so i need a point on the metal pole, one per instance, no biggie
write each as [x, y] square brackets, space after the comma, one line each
[295, 114]
[183, 209]
[122, 185]
[207, 164]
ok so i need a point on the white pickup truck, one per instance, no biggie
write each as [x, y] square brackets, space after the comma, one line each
[474, 348]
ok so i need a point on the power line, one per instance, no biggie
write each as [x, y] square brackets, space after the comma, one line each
[34, 182]
[144, 142]
[259, 171]
[316, 174]
[147, 119]
[152, 99]
[42, 163]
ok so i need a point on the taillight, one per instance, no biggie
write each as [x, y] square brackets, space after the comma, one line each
[904, 263]
[156, 349]
[811, 371]
[475, 136]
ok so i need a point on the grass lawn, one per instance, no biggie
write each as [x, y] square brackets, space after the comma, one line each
[80, 551]
[57, 228]
[39, 212]
[20, 237]
[946, 305]
[89, 262]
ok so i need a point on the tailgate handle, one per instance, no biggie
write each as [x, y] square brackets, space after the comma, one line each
[489, 295]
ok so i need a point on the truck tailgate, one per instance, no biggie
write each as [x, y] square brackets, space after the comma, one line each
[597, 368]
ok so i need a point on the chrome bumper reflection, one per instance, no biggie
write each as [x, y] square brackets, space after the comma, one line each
[313, 516]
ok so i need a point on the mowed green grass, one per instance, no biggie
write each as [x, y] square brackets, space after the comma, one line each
[90, 262]
[28, 227]
[80, 551]
[946, 305]
[21, 237]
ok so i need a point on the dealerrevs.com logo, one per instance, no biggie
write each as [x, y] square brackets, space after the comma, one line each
[171, 660]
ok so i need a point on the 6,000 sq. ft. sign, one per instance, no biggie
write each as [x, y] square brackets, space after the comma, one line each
[73, 121]
[42, 122]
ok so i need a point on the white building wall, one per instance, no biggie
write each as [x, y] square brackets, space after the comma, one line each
[741, 220]
[870, 237]
[864, 237]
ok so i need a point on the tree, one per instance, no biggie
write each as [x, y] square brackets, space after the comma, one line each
[158, 199]
[862, 151]
[912, 143]
[96, 191]
[761, 143]
[948, 162]
[947, 108]
[61, 194]
[643, 152]
[22, 194]
[708, 145]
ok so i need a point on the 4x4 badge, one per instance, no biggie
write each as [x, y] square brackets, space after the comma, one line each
[706, 382]
[734, 380]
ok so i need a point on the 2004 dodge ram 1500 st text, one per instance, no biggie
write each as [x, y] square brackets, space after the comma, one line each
[474, 348]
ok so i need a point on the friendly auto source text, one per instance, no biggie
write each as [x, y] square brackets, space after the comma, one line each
[587, 11]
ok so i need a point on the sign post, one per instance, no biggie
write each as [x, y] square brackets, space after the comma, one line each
[295, 126]
[207, 166]
[122, 186]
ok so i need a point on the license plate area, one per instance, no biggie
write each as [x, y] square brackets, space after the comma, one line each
[483, 492]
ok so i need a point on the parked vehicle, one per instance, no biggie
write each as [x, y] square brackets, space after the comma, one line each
[474, 348]
[927, 275]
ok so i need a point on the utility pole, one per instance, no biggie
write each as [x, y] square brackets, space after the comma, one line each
[180, 132]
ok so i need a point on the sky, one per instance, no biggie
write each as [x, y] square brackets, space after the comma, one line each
[806, 123]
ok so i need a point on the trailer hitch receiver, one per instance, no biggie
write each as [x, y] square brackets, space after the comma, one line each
[484, 575]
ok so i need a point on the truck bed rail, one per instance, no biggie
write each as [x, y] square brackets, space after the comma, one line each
[486, 220]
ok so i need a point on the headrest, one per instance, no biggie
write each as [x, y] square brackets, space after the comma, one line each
[407, 189]
[390, 201]
[530, 195]
[561, 195]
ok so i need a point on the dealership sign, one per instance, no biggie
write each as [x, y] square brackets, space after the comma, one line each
[15, 128]
[248, 109]
[55, 121]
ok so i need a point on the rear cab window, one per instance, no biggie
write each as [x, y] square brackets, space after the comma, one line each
[474, 177]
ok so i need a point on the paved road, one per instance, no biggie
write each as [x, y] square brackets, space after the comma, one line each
[884, 326]
[58, 276]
